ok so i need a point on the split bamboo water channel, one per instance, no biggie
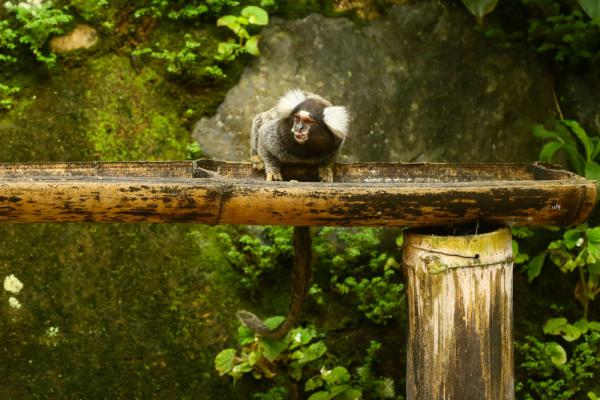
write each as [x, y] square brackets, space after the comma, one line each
[459, 284]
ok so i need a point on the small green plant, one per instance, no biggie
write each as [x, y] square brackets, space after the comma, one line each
[31, 23]
[582, 150]
[176, 61]
[379, 297]
[552, 375]
[255, 256]
[301, 360]
[6, 96]
[579, 251]
[358, 268]
[238, 24]
[179, 9]
[570, 332]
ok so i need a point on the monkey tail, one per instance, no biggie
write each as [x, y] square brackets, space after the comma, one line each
[301, 276]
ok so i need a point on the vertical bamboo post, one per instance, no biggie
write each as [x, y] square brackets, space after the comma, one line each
[460, 316]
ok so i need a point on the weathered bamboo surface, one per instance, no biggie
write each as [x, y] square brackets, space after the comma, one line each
[365, 194]
[459, 291]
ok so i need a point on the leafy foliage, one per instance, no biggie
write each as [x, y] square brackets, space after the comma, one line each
[554, 376]
[183, 10]
[358, 269]
[250, 15]
[582, 150]
[551, 372]
[559, 28]
[301, 359]
[32, 22]
[6, 95]
[255, 256]
[177, 61]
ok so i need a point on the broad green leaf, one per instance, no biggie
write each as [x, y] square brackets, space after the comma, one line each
[543, 133]
[593, 396]
[227, 50]
[593, 245]
[245, 336]
[593, 250]
[519, 258]
[480, 8]
[594, 326]
[241, 368]
[271, 349]
[596, 142]
[339, 390]
[336, 375]
[400, 240]
[571, 333]
[593, 235]
[352, 394]
[229, 21]
[320, 396]
[571, 238]
[252, 46]
[224, 361]
[256, 15]
[313, 383]
[582, 325]
[557, 353]
[311, 353]
[571, 149]
[254, 357]
[591, 8]
[582, 135]
[548, 151]
[592, 171]
[302, 336]
[233, 23]
[554, 326]
[274, 322]
[534, 267]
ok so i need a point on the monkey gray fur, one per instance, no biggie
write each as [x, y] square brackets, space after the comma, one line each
[301, 128]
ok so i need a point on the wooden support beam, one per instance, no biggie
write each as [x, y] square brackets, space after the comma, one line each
[211, 192]
[459, 316]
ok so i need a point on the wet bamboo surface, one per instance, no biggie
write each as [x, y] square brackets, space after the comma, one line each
[459, 291]
[362, 194]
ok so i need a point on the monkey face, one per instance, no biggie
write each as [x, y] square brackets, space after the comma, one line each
[303, 123]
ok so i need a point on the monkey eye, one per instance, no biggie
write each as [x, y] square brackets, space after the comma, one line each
[296, 118]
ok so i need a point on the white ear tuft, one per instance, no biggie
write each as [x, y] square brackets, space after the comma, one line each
[337, 119]
[287, 103]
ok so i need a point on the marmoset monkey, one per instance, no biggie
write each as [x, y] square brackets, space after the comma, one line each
[301, 128]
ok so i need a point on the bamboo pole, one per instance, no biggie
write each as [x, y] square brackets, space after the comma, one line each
[460, 316]
[212, 192]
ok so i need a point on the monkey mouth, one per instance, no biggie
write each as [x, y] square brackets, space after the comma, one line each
[300, 137]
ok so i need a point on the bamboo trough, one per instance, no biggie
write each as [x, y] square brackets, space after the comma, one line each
[459, 288]
[364, 194]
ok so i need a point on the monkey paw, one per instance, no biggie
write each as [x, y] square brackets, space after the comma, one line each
[326, 173]
[274, 176]
[257, 163]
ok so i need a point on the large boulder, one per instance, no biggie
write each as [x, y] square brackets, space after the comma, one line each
[422, 82]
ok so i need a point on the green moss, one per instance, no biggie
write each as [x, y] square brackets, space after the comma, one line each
[141, 310]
